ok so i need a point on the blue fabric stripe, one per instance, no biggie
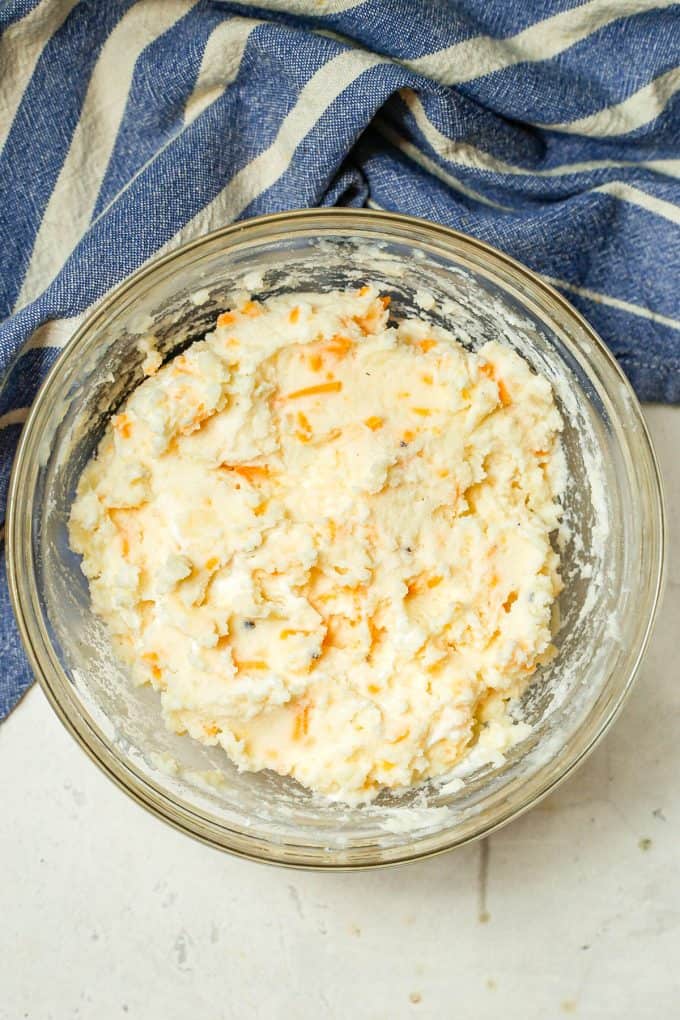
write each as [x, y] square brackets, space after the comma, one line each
[154, 115]
[582, 80]
[333, 134]
[275, 68]
[9, 436]
[651, 357]
[48, 112]
[14, 10]
[24, 379]
[349, 188]
[15, 675]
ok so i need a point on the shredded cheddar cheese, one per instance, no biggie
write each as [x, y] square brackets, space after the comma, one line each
[313, 391]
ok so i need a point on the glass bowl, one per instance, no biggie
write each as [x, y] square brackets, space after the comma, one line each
[611, 543]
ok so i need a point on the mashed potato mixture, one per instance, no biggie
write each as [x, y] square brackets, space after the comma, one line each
[326, 540]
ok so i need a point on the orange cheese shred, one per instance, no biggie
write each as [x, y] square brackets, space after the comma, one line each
[504, 394]
[249, 471]
[252, 309]
[339, 345]
[301, 724]
[123, 425]
[311, 391]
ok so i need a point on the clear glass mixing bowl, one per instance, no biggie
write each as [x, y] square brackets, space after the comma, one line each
[612, 553]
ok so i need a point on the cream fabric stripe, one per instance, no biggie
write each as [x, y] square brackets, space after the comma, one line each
[315, 9]
[56, 332]
[543, 40]
[606, 299]
[20, 47]
[639, 109]
[221, 60]
[477, 159]
[263, 171]
[636, 196]
[433, 168]
[16, 417]
[73, 198]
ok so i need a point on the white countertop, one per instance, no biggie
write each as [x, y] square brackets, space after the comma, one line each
[573, 910]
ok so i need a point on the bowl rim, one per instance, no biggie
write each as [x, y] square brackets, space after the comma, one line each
[127, 778]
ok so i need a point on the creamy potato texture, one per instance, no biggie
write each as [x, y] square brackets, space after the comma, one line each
[326, 540]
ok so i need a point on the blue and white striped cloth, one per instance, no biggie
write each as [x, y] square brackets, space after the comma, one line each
[549, 128]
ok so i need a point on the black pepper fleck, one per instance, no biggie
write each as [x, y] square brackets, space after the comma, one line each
[249, 624]
[316, 655]
[409, 549]
[403, 444]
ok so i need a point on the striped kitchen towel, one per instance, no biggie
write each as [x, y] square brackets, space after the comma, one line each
[549, 128]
